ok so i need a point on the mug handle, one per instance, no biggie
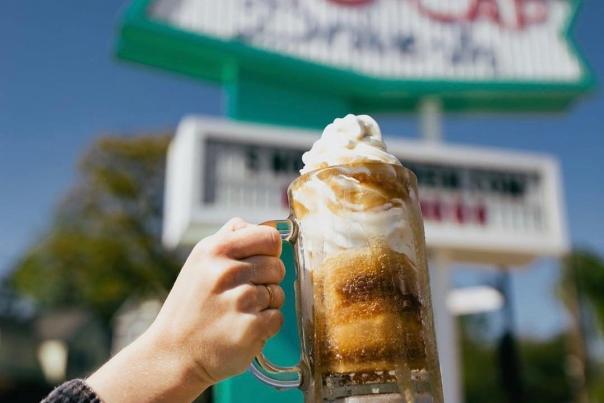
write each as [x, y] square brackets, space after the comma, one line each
[274, 375]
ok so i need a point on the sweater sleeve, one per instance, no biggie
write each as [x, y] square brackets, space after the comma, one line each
[74, 391]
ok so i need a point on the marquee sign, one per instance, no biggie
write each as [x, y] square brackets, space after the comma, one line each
[424, 39]
[477, 204]
[369, 55]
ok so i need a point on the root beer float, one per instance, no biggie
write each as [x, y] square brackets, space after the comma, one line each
[357, 211]
[362, 295]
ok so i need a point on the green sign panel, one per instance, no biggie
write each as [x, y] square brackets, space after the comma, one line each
[303, 62]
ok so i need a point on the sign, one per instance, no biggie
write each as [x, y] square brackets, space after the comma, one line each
[473, 300]
[478, 204]
[423, 39]
[342, 56]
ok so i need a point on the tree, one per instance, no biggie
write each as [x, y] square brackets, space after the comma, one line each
[479, 360]
[543, 365]
[585, 269]
[580, 288]
[544, 370]
[104, 242]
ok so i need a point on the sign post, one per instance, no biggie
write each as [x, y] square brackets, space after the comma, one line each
[440, 278]
[445, 327]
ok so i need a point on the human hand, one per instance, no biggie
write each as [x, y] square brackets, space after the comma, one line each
[216, 318]
[218, 311]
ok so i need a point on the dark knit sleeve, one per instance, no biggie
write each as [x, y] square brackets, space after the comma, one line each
[74, 391]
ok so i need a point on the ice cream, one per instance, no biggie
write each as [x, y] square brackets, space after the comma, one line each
[338, 211]
[348, 140]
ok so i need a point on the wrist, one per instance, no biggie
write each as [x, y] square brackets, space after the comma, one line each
[180, 371]
[149, 369]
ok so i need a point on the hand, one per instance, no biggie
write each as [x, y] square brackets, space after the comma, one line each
[216, 318]
[218, 310]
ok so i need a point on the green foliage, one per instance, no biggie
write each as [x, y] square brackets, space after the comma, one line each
[104, 242]
[481, 377]
[581, 288]
[542, 371]
[586, 269]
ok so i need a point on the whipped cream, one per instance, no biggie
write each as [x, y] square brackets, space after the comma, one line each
[348, 140]
[332, 223]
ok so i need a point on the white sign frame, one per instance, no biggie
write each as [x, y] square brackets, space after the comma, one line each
[187, 220]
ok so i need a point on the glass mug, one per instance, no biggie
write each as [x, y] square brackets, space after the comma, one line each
[362, 288]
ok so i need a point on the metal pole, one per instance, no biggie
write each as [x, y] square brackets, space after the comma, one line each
[509, 360]
[446, 329]
[430, 114]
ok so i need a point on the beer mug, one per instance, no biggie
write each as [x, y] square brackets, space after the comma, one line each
[362, 288]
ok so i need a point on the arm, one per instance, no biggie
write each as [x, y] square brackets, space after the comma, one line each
[216, 318]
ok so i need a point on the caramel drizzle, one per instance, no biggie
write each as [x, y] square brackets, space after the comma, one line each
[356, 187]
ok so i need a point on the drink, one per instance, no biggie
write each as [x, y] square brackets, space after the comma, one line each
[362, 290]
[370, 304]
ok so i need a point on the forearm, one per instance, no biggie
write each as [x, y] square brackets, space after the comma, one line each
[147, 371]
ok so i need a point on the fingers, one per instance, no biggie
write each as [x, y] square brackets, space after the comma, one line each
[256, 298]
[264, 269]
[250, 240]
[275, 296]
[269, 322]
[238, 239]
[254, 270]
[234, 224]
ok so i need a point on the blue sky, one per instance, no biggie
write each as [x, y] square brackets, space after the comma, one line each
[60, 87]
